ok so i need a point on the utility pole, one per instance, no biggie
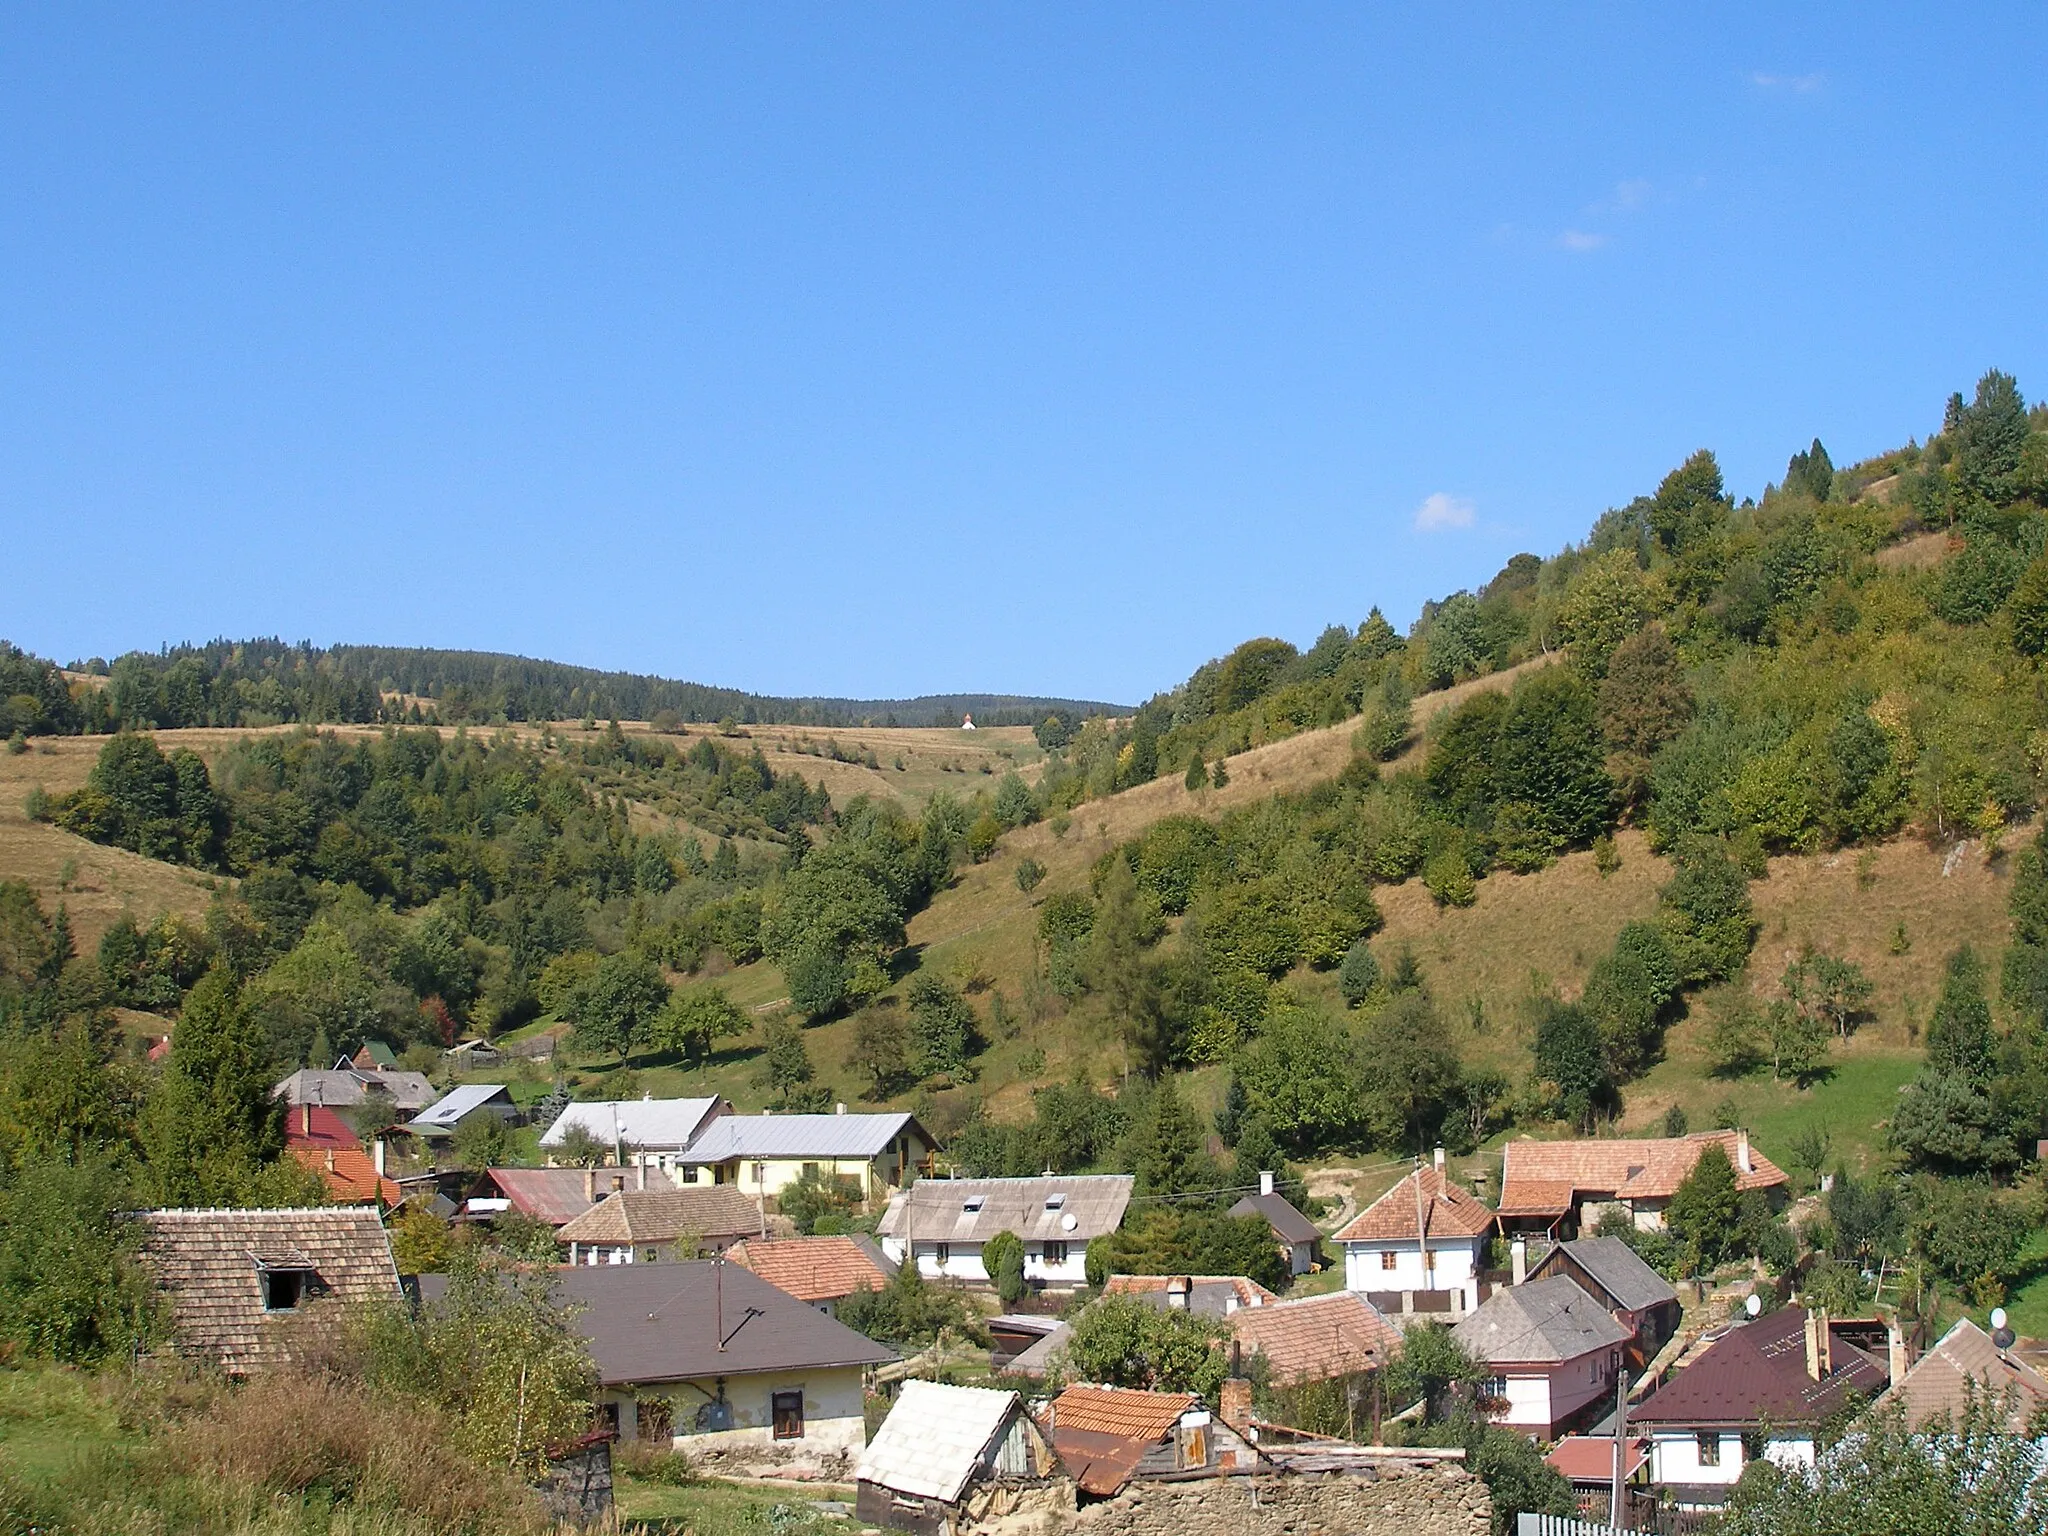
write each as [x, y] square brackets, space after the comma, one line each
[1421, 1227]
[1620, 1439]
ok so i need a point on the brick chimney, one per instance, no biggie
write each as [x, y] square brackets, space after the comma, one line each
[330, 1159]
[306, 1119]
[1819, 1344]
[1234, 1404]
[590, 1183]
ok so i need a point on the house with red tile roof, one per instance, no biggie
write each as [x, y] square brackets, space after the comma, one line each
[1424, 1234]
[319, 1139]
[1761, 1391]
[1562, 1188]
[1316, 1338]
[819, 1271]
[1206, 1295]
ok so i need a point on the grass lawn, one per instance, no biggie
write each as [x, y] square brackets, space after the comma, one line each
[50, 1418]
[713, 1508]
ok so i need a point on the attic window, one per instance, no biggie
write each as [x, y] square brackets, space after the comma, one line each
[1055, 1202]
[284, 1285]
[973, 1203]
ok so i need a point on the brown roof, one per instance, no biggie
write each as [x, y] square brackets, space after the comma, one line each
[209, 1264]
[552, 1195]
[1544, 1178]
[812, 1268]
[1758, 1372]
[351, 1174]
[1590, 1458]
[1121, 1411]
[1940, 1383]
[1317, 1337]
[663, 1215]
[665, 1322]
[1448, 1210]
[1245, 1291]
[1288, 1224]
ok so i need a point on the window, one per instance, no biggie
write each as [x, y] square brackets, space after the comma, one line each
[1193, 1447]
[788, 1409]
[1055, 1253]
[973, 1203]
[1494, 1386]
[811, 1170]
[283, 1289]
[1390, 1259]
[943, 1253]
[649, 1255]
[688, 1174]
[1709, 1448]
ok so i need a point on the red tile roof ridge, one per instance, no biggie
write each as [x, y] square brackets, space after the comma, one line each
[1448, 1211]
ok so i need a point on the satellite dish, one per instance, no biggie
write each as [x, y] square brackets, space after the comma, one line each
[1755, 1305]
[1068, 1222]
[1997, 1319]
[2005, 1338]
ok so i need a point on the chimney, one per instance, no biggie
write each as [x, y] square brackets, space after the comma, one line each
[1439, 1159]
[1816, 1343]
[1895, 1352]
[839, 1109]
[1265, 1182]
[305, 1119]
[1518, 1252]
[590, 1184]
[1234, 1404]
[377, 1155]
[641, 1160]
[1742, 1162]
[330, 1159]
[618, 1183]
[1177, 1292]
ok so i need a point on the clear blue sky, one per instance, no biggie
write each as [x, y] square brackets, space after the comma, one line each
[878, 350]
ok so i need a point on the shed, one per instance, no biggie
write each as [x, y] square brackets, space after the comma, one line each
[1108, 1436]
[948, 1458]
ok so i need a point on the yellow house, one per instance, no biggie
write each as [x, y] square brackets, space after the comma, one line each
[763, 1154]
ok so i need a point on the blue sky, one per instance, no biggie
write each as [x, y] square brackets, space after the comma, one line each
[891, 349]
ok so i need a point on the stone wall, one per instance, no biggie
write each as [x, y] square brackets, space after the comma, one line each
[1440, 1500]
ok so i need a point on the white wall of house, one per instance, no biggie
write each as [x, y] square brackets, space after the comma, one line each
[833, 1418]
[1540, 1397]
[963, 1261]
[1452, 1266]
[1686, 1456]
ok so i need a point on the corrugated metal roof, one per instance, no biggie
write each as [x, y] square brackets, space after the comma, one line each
[1059, 1208]
[553, 1195]
[934, 1438]
[783, 1137]
[460, 1101]
[666, 1125]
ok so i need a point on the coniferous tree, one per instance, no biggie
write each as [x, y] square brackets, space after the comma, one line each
[212, 1124]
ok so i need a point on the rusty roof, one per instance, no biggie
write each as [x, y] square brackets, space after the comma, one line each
[1100, 1463]
[1448, 1210]
[664, 1215]
[1545, 1178]
[1124, 1411]
[813, 1268]
[209, 1264]
[1317, 1337]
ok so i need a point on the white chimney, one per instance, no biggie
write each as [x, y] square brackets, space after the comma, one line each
[838, 1109]
[641, 1159]
[1439, 1159]
[1265, 1182]
[1177, 1292]
[1518, 1252]
[1895, 1350]
[1742, 1162]
[377, 1155]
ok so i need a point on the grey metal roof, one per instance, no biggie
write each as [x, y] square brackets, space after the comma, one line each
[783, 1137]
[934, 1438]
[1056, 1208]
[1540, 1323]
[458, 1102]
[665, 1125]
[662, 1322]
[1619, 1270]
[1288, 1224]
[1037, 1361]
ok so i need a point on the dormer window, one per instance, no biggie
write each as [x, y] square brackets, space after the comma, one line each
[973, 1203]
[284, 1279]
[1055, 1202]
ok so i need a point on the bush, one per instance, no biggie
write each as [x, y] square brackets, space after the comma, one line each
[1359, 973]
[1448, 878]
[1003, 1256]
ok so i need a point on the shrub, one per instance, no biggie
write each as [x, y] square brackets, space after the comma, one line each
[1448, 878]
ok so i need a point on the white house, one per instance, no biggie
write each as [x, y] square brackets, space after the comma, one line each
[764, 1154]
[1761, 1391]
[1551, 1349]
[630, 1130]
[1424, 1234]
[945, 1223]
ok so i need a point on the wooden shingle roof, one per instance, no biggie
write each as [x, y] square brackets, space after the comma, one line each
[210, 1265]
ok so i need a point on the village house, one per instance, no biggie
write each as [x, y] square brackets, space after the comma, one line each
[709, 1355]
[658, 1225]
[1424, 1240]
[556, 1196]
[1587, 1463]
[388, 1091]
[1760, 1391]
[437, 1122]
[373, 1056]
[1203, 1295]
[654, 1129]
[1299, 1238]
[1612, 1273]
[820, 1272]
[1110, 1436]
[1967, 1361]
[764, 1154]
[949, 1459]
[320, 1140]
[252, 1290]
[1552, 1352]
[945, 1224]
[1560, 1189]
[1315, 1338]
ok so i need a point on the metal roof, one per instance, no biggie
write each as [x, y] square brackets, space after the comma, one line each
[1541, 1323]
[649, 1323]
[785, 1137]
[1057, 1208]
[457, 1102]
[934, 1438]
[666, 1125]
[553, 1195]
[346, 1086]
